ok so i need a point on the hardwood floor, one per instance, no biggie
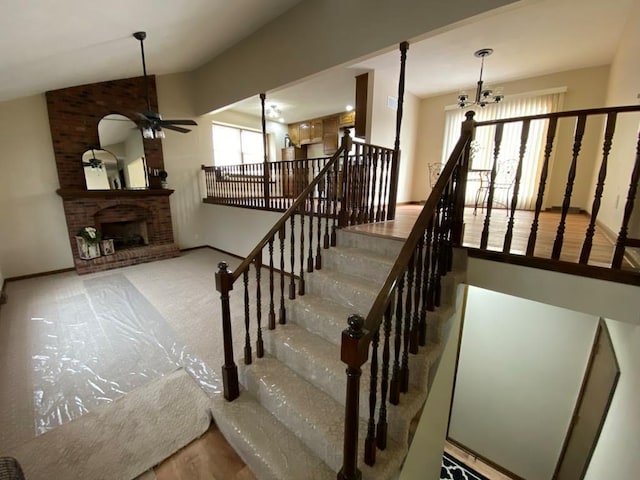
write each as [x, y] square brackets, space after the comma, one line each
[576, 226]
[209, 457]
[474, 462]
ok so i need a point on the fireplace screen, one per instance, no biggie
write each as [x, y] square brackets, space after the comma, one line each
[126, 234]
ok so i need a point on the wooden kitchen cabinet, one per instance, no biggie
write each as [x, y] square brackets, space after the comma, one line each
[305, 133]
[316, 131]
[330, 135]
[293, 153]
[347, 119]
[294, 133]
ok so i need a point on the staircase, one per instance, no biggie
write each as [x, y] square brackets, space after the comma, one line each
[288, 421]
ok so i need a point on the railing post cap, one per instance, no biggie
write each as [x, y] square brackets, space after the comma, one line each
[470, 114]
[222, 266]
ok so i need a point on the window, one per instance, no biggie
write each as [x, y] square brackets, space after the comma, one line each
[515, 106]
[233, 146]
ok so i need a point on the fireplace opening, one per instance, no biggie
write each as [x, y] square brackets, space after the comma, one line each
[126, 234]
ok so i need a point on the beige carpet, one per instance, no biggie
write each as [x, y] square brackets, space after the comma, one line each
[163, 413]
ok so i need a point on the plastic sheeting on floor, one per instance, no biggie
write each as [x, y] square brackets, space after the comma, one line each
[95, 347]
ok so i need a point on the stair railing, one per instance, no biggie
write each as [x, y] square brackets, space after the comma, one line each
[411, 289]
[317, 201]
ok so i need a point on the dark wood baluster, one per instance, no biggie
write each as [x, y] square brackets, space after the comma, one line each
[415, 326]
[247, 338]
[426, 297]
[363, 185]
[282, 318]
[374, 184]
[224, 284]
[319, 188]
[278, 185]
[310, 256]
[259, 342]
[358, 207]
[301, 286]
[524, 137]
[327, 210]
[404, 370]
[380, 185]
[334, 202]
[387, 179]
[242, 184]
[292, 254]
[394, 393]
[357, 170]
[602, 175]
[551, 135]
[435, 255]
[497, 142]
[566, 203]
[381, 432]
[272, 309]
[370, 442]
[618, 255]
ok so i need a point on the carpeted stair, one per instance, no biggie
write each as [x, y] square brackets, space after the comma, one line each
[288, 421]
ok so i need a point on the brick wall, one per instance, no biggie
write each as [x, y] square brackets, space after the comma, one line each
[74, 114]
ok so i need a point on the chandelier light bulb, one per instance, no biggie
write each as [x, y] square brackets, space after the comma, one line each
[484, 96]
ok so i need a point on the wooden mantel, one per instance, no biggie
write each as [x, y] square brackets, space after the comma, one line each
[73, 193]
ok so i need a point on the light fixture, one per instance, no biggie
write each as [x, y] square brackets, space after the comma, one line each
[273, 111]
[349, 108]
[484, 96]
[152, 131]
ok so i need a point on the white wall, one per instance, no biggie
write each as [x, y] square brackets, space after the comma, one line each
[285, 50]
[520, 370]
[615, 455]
[183, 156]
[624, 86]
[424, 459]
[382, 126]
[594, 297]
[585, 89]
[33, 232]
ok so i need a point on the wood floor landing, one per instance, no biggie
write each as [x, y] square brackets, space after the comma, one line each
[209, 457]
[576, 226]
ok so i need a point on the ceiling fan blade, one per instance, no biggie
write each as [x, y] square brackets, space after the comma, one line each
[164, 122]
[177, 129]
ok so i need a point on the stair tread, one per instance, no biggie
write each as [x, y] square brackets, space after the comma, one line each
[362, 252]
[251, 430]
[310, 412]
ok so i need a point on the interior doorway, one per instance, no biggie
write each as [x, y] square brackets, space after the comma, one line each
[597, 391]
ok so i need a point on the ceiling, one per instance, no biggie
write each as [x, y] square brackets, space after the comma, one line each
[84, 42]
[48, 45]
[536, 37]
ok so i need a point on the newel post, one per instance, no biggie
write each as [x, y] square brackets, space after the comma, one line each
[343, 216]
[395, 163]
[266, 172]
[354, 351]
[224, 284]
[457, 229]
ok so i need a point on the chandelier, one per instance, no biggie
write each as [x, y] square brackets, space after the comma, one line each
[273, 111]
[484, 96]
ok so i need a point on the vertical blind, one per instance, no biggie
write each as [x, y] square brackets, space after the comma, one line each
[482, 158]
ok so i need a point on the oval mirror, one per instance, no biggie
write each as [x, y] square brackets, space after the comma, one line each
[121, 139]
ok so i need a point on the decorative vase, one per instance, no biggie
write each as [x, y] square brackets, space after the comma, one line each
[87, 250]
[106, 246]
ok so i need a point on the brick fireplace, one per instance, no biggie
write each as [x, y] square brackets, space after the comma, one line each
[74, 114]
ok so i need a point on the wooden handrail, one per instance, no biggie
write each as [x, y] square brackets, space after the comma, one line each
[346, 144]
[570, 113]
[379, 306]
